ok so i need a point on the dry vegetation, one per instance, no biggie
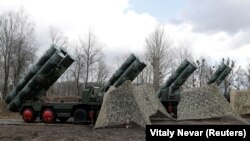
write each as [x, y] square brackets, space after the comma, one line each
[6, 114]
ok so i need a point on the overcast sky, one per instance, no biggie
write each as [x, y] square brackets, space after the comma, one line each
[215, 28]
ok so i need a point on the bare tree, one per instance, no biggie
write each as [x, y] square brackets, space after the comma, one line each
[78, 69]
[91, 53]
[24, 48]
[158, 52]
[229, 81]
[204, 71]
[119, 60]
[88, 64]
[102, 72]
[16, 40]
[57, 37]
[146, 76]
[182, 52]
[241, 79]
[69, 83]
[248, 75]
[1, 97]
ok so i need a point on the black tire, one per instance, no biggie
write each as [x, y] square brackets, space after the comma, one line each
[63, 119]
[80, 115]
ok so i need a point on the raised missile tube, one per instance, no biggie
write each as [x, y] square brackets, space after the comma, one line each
[169, 93]
[177, 79]
[119, 72]
[31, 73]
[131, 72]
[220, 74]
[43, 79]
[178, 71]
[181, 79]
[62, 67]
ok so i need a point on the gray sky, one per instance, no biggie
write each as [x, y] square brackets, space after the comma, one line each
[213, 28]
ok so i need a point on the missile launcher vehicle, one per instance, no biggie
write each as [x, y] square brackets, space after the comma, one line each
[25, 97]
[169, 93]
[219, 76]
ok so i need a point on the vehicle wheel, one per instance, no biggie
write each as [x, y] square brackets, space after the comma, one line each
[28, 115]
[170, 108]
[63, 119]
[48, 116]
[80, 115]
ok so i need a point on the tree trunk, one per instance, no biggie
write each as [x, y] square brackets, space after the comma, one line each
[156, 73]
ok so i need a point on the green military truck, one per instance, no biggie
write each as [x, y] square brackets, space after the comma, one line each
[169, 93]
[24, 98]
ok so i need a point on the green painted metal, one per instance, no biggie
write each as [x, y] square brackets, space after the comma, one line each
[54, 75]
[220, 74]
[37, 86]
[31, 73]
[181, 79]
[119, 72]
[130, 73]
[129, 70]
[178, 71]
[169, 91]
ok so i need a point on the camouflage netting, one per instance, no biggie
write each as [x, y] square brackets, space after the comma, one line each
[203, 103]
[240, 101]
[129, 103]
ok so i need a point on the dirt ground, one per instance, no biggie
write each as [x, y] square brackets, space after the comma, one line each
[12, 128]
[5, 113]
[17, 130]
[68, 133]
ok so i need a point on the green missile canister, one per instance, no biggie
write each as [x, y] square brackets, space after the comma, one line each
[131, 72]
[31, 73]
[119, 72]
[37, 82]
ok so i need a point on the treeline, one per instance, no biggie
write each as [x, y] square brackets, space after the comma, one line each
[18, 47]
